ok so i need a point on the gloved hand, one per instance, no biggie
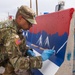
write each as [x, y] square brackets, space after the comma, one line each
[30, 53]
[47, 54]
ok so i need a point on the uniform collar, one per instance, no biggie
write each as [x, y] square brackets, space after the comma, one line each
[19, 31]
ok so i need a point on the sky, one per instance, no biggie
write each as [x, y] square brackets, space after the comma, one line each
[9, 7]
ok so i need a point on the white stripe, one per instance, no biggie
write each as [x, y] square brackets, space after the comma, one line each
[61, 47]
[48, 68]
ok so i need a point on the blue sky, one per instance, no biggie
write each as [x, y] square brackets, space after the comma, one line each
[10, 6]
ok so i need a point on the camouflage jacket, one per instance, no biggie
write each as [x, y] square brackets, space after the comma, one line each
[11, 42]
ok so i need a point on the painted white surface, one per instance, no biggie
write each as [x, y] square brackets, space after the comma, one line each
[48, 68]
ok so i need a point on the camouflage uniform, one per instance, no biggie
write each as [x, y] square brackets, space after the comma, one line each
[11, 43]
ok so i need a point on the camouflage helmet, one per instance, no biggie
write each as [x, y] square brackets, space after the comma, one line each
[28, 14]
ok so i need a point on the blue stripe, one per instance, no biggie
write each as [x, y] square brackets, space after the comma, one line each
[57, 60]
[36, 72]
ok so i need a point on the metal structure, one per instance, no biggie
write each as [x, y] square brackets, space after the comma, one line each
[30, 3]
[36, 6]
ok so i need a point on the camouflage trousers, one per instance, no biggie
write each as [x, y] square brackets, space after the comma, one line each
[9, 70]
[24, 72]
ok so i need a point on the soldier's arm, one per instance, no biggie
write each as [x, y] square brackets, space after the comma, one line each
[18, 61]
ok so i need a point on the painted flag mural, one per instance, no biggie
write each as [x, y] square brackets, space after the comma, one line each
[51, 32]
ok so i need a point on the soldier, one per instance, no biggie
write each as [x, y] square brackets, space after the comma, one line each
[15, 54]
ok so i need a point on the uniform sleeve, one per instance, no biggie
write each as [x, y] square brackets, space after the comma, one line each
[26, 62]
[16, 59]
